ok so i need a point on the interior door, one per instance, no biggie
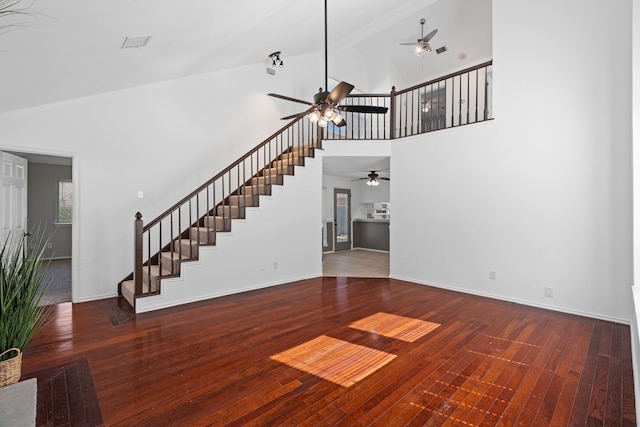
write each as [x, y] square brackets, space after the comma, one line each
[13, 182]
[342, 218]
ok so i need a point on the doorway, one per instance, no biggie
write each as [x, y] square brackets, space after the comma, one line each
[49, 207]
[342, 218]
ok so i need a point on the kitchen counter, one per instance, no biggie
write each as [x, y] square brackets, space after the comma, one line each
[371, 233]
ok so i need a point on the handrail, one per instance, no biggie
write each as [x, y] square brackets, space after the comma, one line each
[219, 175]
[448, 76]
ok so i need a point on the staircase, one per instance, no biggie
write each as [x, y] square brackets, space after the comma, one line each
[164, 245]
[197, 220]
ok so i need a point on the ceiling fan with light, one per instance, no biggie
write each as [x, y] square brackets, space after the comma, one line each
[422, 44]
[373, 179]
[326, 106]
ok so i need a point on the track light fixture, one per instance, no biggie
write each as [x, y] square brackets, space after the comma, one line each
[275, 60]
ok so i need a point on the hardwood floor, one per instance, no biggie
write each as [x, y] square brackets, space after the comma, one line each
[368, 352]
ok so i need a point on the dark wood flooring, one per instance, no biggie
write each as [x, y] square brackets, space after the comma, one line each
[228, 361]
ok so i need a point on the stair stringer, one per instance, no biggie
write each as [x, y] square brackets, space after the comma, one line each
[285, 229]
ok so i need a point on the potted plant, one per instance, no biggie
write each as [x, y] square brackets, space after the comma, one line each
[21, 272]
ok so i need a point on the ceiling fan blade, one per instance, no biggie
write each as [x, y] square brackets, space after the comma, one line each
[429, 36]
[410, 44]
[386, 179]
[340, 92]
[295, 116]
[364, 109]
[288, 98]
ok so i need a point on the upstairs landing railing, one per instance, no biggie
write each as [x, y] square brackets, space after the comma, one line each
[458, 99]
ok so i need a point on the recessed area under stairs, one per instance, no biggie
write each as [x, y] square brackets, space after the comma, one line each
[356, 263]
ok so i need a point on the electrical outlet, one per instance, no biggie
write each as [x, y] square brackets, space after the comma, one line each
[492, 275]
[49, 245]
[275, 265]
[548, 292]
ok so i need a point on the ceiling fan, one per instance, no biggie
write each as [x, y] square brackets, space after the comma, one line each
[373, 179]
[422, 44]
[325, 107]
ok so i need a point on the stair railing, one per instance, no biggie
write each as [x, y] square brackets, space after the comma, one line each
[176, 234]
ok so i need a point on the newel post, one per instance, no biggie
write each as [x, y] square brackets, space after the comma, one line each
[137, 261]
[392, 110]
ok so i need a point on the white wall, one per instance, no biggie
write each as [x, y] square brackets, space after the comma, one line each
[542, 194]
[635, 338]
[276, 243]
[164, 139]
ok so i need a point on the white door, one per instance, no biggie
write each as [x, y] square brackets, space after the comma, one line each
[13, 208]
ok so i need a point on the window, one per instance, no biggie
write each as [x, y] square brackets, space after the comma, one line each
[65, 202]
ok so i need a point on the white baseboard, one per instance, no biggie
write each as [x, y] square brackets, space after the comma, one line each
[515, 300]
[159, 302]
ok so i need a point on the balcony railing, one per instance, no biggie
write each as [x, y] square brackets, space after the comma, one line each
[457, 99]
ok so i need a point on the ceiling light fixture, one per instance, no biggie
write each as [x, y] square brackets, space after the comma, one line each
[422, 44]
[373, 182]
[275, 60]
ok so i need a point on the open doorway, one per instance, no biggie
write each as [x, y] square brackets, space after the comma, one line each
[356, 216]
[50, 193]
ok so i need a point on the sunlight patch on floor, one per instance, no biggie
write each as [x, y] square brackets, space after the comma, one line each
[394, 326]
[338, 361]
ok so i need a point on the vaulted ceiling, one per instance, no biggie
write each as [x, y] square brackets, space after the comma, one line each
[72, 48]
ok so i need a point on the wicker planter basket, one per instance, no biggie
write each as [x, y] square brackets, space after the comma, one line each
[10, 369]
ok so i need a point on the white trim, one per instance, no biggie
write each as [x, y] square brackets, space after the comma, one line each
[158, 302]
[515, 300]
[55, 258]
[96, 298]
[370, 250]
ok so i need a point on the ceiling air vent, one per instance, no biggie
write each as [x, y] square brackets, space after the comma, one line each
[135, 41]
[441, 49]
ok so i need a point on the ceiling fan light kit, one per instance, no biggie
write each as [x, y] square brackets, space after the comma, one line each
[373, 179]
[422, 44]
